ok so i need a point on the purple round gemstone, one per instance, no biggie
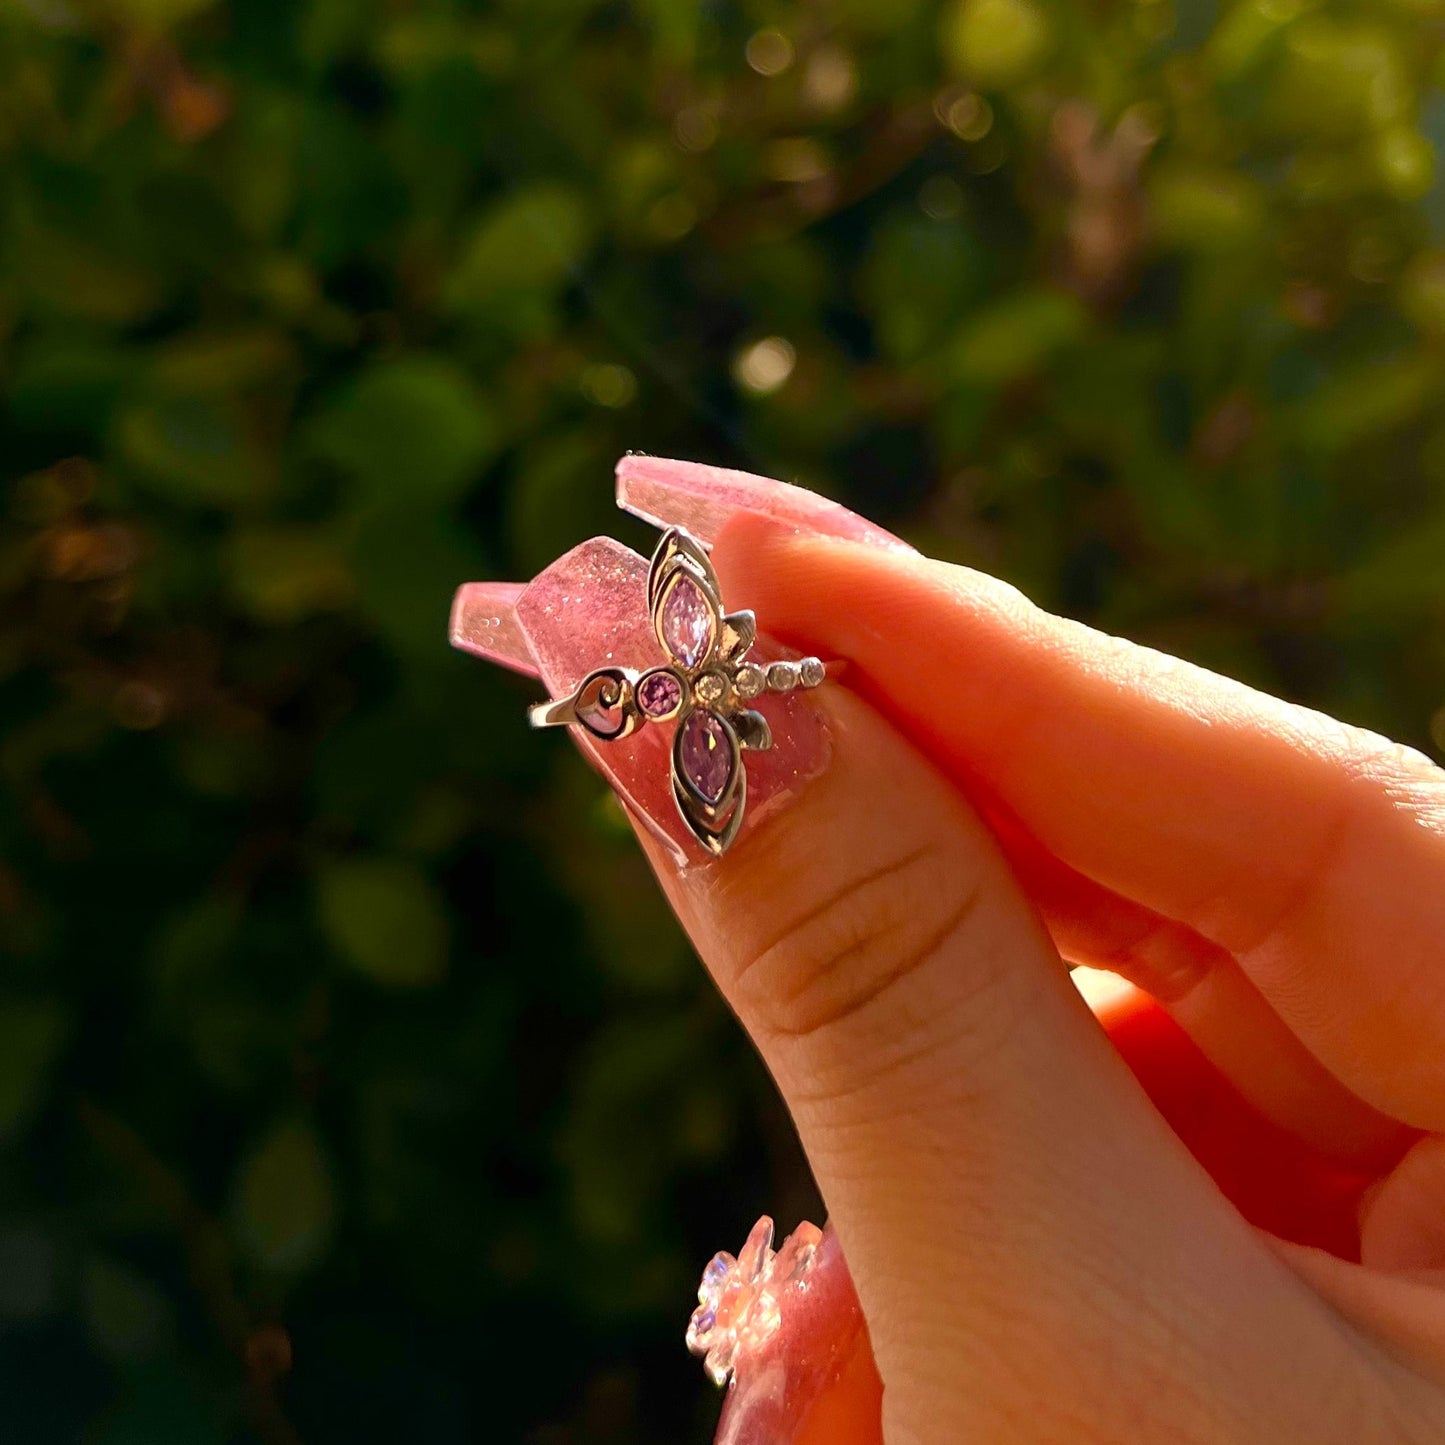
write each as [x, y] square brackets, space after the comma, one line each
[658, 694]
[704, 753]
[687, 622]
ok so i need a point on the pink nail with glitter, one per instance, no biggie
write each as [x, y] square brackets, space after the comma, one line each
[703, 499]
[693, 717]
[784, 1334]
[702, 728]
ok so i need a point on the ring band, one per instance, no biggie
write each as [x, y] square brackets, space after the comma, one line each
[706, 686]
[749, 681]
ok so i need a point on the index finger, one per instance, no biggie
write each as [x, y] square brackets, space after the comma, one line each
[1312, 852]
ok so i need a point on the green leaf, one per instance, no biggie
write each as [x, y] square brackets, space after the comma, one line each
[158, 14]
[996, 43]
[410, 429]
[529, 242]
[917, 277]
[192, 451]
[285, 1206]
[70, 384]
[31, 1033]
[406, 565]
[1199, 208]
[1422, 293]
[1017, 336]
[555, 502]
[384, 919]
[1246, 35]
[1366, 401]
[71, 274]
[129, 1318]
[1399, 578]
[201, 361]
[282, 574]
[1340, 79]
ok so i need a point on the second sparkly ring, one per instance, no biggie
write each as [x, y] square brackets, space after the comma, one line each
[706, 686]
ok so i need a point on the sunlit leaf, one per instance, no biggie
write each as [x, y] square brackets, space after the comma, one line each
[1422, 292]
[530, 241]
[1368, 400]
[1017, 335]
[996, 43]
[1201, 208]
[1340, 78]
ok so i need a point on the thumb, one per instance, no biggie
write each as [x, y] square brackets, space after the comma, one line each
[1028, 1240]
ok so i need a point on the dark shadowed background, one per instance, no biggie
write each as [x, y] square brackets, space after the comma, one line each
[354, 1084]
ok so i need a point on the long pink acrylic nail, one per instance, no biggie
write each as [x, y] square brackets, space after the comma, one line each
[484, 623]
[702, 498]
[786, 1333]
[589, 610]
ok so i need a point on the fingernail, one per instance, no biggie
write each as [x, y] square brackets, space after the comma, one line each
[589, 610]
[484, 623]
[790, 1333]
[703, 499]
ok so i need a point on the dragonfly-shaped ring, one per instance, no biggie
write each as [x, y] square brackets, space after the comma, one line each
[706, 686]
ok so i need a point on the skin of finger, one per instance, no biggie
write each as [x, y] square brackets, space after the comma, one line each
[1310, 851]
[1211, 998]
[1277, 1182]
[969, 1124]
[1403, 1223]
[1403, 1317]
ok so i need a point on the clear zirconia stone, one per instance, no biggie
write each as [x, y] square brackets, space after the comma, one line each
[749, 680]
[705, 755]
[659, 693]
[811, 671]
[783, 676]
[687, 622]
[711, 687]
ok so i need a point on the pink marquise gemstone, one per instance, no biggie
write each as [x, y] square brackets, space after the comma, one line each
[705, 755]
[658, 693]
[589, 608]
[687, 622]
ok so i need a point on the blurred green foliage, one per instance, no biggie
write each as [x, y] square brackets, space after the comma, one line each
[353, 1084]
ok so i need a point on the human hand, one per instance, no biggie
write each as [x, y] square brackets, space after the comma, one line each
[1038, 1254]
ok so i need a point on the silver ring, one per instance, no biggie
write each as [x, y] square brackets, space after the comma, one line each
[706, 686]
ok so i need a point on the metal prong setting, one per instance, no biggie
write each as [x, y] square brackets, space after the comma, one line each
[705, 686]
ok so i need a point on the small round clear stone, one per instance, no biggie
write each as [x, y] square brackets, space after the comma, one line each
[711, 687]
[783, 676]
[749, 680]
[811, 671]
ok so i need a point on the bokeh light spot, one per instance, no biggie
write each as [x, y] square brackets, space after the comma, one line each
[769, 52]
[766, 365]
[608, 384]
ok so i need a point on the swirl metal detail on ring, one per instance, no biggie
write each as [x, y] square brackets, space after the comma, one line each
[704, 686]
